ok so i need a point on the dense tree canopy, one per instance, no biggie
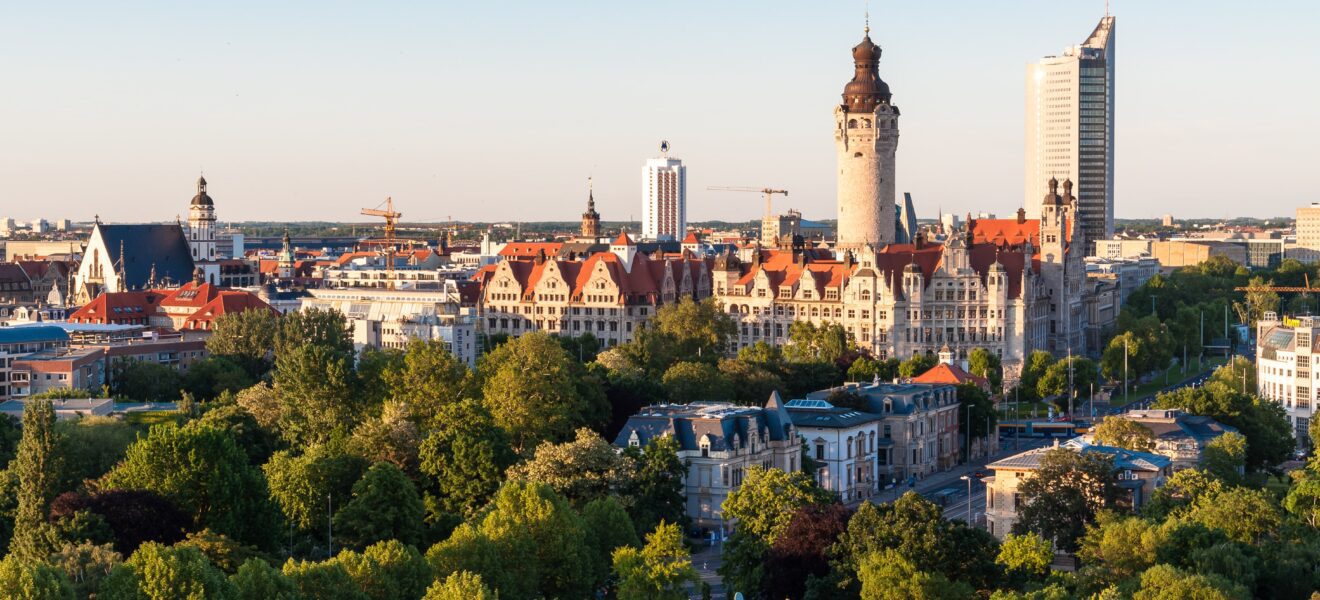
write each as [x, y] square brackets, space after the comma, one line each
[1064, 494]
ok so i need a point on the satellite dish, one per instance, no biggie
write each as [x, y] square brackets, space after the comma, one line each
[664, 146]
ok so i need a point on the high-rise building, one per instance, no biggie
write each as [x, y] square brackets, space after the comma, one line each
[1070, 128]
[866, 140]
[664, 197]
[1308, 226]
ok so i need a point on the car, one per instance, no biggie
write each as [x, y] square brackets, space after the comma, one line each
[1299, 455]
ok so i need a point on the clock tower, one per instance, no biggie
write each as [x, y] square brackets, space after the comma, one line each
[866, 140]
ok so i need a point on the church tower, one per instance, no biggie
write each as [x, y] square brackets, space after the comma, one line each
[201, 224]
[591, 218]
[866, 137]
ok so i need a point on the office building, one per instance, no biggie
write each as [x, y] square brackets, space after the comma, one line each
[1286, 368]
[1308, 226]
[1070, 127]
[664, 197]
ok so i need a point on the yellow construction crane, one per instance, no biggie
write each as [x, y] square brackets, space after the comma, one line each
[769, 211]
[1281, 288]
[391, 217]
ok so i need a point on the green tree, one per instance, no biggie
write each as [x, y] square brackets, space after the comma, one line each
[1054, 382]
[984, 363]
[300, 484]
[327, 580]
[327, 328]
[257, 441]
[209, 378]
[38, 468]
[976, 405]
[387, 570]
[466, 455]
[887, 575]
[460, 585]
[607, 527]
[750, 383]
[1246, 515]
[155, 572]
[144, 381]
[1303, 499]
[385, 506]
[530, 387]
[661, 570]
[10, 434]
[582, 470]
[1124, 433]
[91, 446]
[32, 580]
[528, 544]
[916, 365]
[826, 343]
[1180, 491]
[1225, 456]
[657, 491]
[916, 529]
[391, 437]
[1064, 494]
[206, 474]
[1118, 547]
[85, 565]
[699, 329]
[315, 387]
[767, 499]
[430, 375]
[225, 553]
[1028, 554]
[246, 338]
[1163, 582]
[688, 382]
[1033, 369]
[1256, 302]
[257, 580]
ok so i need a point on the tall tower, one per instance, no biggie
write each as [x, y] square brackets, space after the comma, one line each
[201, 224]
[664, 197]
[866, 137]
[591, 218]
[1070, 129]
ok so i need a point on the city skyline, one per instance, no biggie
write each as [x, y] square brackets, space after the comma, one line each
[266, 114]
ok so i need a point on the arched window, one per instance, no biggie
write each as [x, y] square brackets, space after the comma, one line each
[850, 447]
[852, 123]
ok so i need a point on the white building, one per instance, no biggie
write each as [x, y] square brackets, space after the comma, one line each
[850, 453]
[383, 318]
[201, 234]
[664, 197]
[1070, 127]
[1286, 373]
[1308, 226]
[718, 442]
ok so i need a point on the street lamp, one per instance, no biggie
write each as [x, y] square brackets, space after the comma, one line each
[968, 479]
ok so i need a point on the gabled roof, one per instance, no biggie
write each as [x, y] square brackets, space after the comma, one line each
[622, 240]
[951, 374]
[13, 278]
[529, 249]
[227, 302]
[691, 238]
[190, 295]
[147, 245]
[117, 307]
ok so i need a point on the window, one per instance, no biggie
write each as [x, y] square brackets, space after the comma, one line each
[820, 451]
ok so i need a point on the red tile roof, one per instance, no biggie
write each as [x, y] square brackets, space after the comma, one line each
[227, 302]
[951, 374]
[530, 249]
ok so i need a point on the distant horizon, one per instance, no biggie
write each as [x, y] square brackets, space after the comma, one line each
[480, 112]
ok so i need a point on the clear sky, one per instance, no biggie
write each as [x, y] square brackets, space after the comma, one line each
[500, 110]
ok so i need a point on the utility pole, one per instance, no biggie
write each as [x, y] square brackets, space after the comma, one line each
[329, 527]
[1125, 370]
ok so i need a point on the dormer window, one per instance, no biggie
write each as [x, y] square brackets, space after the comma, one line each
[634, 441]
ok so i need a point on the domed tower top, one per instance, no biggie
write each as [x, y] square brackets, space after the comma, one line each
[866, 90]
[201, 199]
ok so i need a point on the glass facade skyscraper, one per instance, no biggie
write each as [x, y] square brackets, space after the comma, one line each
[1070, 129]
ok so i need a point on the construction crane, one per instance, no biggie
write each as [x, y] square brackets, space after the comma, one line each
[769, 211]
[391, 217]
[1281, 288]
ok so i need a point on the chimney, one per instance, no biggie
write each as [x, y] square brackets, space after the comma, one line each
[1021, 216]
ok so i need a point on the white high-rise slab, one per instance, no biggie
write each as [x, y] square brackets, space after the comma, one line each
[1070, 129]
[664, 198]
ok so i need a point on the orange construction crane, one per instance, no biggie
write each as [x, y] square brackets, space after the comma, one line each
[1281, 288]
[769, 211]
[391, 217]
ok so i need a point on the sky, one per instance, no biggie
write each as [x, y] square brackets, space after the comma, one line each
[500, 111]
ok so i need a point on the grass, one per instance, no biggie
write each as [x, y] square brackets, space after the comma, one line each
[144, 420]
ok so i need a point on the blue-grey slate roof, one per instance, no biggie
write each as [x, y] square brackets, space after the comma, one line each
[145, 245]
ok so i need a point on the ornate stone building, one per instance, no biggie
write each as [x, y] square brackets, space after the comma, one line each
[1011, 286]
[608, 294]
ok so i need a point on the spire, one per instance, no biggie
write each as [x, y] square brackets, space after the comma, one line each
[591, 196]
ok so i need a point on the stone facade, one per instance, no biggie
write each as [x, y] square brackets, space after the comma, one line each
[866, 142]
[608, 294]
[719, 442]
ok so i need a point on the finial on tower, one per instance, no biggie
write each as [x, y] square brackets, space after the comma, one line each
[867, 29]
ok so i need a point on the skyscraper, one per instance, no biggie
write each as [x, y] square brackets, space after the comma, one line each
[664, 197]
[1070, 129]
[866, 139]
